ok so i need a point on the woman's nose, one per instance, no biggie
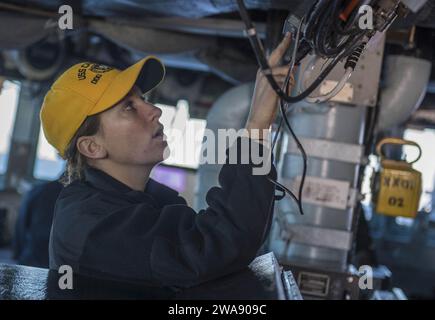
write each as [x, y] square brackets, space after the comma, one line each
[153, 113]
[157, 111]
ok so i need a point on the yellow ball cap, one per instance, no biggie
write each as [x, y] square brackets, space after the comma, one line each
[88, 88]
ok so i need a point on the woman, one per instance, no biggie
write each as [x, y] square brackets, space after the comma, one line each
[112, 220]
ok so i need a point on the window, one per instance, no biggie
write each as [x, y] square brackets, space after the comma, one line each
[48, 165]
[185, 150]
[8, 108]
[175, 178]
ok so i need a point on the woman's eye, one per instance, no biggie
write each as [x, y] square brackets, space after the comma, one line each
[129, 107]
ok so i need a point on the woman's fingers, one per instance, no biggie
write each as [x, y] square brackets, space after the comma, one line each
[280, 74]
[279, 51]
[281, 70]
[280, 80]
[264, 102]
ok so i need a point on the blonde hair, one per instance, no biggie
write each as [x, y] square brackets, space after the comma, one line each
[75, 161]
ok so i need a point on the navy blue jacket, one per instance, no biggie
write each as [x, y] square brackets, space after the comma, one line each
[103, 228]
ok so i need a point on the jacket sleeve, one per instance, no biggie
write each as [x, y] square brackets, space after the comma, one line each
[176, 246]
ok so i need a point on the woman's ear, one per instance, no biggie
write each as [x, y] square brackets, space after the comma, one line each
[90, 148]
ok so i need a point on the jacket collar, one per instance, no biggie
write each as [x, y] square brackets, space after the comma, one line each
[103, 181]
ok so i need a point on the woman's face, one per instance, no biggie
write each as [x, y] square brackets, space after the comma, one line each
[131, 132]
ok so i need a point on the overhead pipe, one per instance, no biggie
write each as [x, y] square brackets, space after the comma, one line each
[406, 81]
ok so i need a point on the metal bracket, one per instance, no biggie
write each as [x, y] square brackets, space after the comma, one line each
[330, 150]
[320, 237]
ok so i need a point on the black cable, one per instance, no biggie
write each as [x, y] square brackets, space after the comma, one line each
[285, 88]
[279, 185]
[298, 199]
[298, 143]
[315, 11]
[264, 66]
[288, 76]
[322, 33]
[304, 157]
[328, 42]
